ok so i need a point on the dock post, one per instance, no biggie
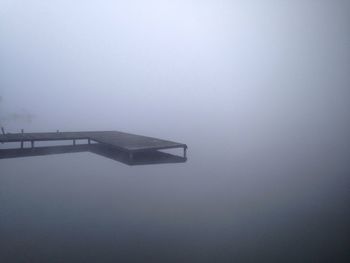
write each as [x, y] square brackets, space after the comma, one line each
[74, 142]
[185, 152]
[3, 130]
[32, 144]
[89, 141]
[22, 131]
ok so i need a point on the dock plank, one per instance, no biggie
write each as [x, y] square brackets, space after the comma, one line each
[123, 141]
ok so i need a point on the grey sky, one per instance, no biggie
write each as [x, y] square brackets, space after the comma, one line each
[250, 67]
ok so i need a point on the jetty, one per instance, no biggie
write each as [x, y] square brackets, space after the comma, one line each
[130, 148]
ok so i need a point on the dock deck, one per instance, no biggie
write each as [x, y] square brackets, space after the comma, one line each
[125, 142]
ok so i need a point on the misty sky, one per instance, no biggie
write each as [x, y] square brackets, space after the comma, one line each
[256, 69]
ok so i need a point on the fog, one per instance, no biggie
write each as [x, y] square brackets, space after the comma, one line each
[258, 90]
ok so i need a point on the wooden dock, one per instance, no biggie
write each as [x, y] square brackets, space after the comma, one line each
[126, 143]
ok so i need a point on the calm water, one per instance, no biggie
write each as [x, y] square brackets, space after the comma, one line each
[231, 202]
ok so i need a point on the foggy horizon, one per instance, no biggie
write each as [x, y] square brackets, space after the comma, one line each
[258, 90]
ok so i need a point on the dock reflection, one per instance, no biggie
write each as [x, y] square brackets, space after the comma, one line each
[140, 158]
